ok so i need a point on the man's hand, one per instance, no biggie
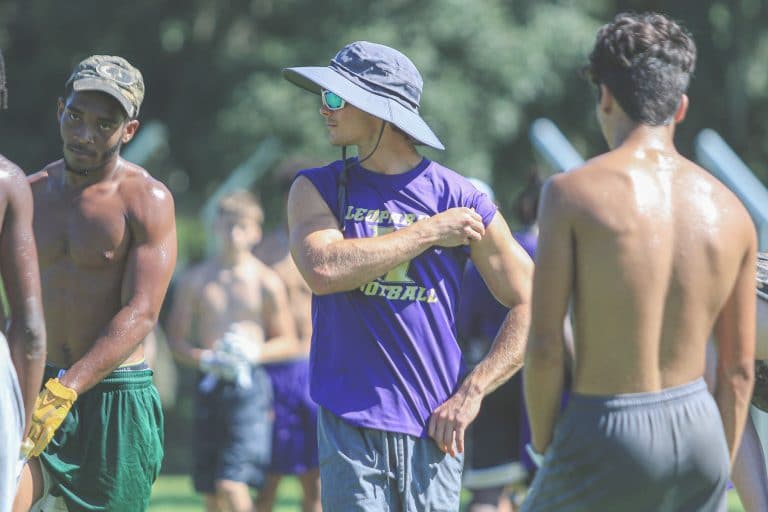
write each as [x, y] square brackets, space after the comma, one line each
[450, 420]
[456, 226]
[241, 346]
[51, 407]
[219, 364]
[231, 357]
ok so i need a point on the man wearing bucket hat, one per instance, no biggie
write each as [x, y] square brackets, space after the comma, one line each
[106, 236]
[382, 241]
[23, 356]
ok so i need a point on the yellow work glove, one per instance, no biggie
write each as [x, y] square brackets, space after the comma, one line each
[51, 407]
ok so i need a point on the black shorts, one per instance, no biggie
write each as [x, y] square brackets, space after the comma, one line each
[233, 433]
[495, 435]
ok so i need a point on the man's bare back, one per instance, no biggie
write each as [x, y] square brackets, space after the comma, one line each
[654, 255]
[658, 244]
[87, 235]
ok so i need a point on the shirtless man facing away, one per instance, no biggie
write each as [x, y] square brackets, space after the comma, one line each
[105, 232]
[655, 254]
[230, 314]
[23, 356]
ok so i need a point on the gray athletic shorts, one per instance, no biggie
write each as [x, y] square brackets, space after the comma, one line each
[660, 452]
[363, 469]
[11, 427]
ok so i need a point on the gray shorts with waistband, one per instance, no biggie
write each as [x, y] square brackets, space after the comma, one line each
[663, 451]
[364, 469]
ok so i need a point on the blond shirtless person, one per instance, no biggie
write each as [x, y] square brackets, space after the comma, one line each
[294, 433]
[106, 239]
[230, 314]
[655, 254]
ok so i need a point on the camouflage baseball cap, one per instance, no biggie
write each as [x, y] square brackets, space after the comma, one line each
[112, 75]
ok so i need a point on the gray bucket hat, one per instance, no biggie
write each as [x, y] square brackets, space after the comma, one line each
[376, 79]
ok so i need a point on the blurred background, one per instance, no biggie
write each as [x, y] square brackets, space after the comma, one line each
[490, 67]
[216, 101]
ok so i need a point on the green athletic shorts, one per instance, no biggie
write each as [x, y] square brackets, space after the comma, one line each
[108, 451]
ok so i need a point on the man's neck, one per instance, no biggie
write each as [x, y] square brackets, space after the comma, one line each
[388, 152]
[655, 138]
[80, 178]
[389, 159]
[234, 259]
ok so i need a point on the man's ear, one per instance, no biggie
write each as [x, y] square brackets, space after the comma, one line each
[59, 108]
[682, 109]
[605, 104]
[131, 127]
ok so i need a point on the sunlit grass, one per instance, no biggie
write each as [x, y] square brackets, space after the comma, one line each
[174, 493]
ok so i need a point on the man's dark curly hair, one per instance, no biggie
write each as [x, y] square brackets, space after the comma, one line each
[646, 60]
[3, 88]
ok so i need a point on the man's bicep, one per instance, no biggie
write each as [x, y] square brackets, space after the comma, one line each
[278, 315]
[311, 223]
[553, 277]
[18, 252]
[152, 256]
[505, 266]
[183, 309]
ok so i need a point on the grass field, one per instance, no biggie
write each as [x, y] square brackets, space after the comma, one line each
[173, 493]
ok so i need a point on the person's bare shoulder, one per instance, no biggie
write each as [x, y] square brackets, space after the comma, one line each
[137, 184]
[39, 178]
[708, 191]
[13, 183]
[10, 173]
[7, 166]
[147, 199]
[582, 179]
[269, 279]
[194, 278]
[565, 192]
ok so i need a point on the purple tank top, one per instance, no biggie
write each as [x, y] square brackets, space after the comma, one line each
[385, 355]
[528, 240]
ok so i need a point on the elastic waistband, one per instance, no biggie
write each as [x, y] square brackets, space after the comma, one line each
[629, 400]
[141, 365]
[126, 377]
[288, 363]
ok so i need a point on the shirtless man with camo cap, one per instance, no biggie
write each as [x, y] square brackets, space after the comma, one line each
[105, 230]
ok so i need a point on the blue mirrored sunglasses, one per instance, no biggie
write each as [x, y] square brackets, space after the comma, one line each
[332, 101]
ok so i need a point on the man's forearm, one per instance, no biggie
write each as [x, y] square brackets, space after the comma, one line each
[27, 347]
[350, 263]
[506, 354]
[185, 353]
[123, 335]
[543, 387]
[733, 398]
[280, 348]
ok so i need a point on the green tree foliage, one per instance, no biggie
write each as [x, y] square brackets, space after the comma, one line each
[490, 67]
